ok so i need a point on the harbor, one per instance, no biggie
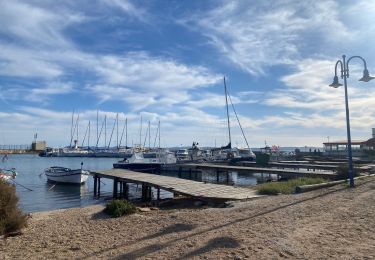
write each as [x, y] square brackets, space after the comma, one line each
[187, 129]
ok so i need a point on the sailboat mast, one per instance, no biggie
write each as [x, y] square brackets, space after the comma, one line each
[149, 135]
[159, 134]
[71, 130]
[117, 129]
[88, 139]
[140, 134]
[97, 127]
[77, 127]
[226, 103]
[113, 129]
[105, 130]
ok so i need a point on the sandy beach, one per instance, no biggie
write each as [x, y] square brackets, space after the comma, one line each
[336, 222]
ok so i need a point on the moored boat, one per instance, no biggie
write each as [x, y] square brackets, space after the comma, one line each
[66, 175]
[8, 174]
[147, 161]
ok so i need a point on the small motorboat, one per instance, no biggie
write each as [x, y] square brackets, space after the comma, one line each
[151, 161]
[8, 174]
[66, 175]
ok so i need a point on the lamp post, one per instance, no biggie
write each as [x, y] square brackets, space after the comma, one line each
[344, 65]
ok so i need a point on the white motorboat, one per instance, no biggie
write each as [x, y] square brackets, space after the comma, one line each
[147, 161]
[182, 154]
[66, 175]
[8, 174]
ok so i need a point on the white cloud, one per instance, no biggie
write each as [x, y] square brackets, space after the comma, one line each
[44, 52]
[307, 89]
[33, 25]
[255, 37]
[41, 94]
[129, 8]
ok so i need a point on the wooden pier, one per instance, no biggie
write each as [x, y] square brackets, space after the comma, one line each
[218, 168]
[205, 191]
[295, 166]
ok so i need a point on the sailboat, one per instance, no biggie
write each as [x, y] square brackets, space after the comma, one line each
[229, 153]
[150, 160]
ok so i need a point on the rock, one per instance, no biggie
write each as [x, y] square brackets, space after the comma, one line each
[144, 209]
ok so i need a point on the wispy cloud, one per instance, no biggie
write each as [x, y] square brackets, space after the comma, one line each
[129, 8]
[138, 78]
[255, 37]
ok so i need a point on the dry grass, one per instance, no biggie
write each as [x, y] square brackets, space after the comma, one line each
[287, 187]
[11, 217]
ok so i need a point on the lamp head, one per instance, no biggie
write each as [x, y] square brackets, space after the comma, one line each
[366, 76]
[335, 83]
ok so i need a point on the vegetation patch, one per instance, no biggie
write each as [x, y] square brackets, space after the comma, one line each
[118, 208]
[343, 172]
[12, 218]
[287, 187]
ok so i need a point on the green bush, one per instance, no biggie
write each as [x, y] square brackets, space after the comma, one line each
[118, 208]
[343, 172]
[262, 159]
[11, 217]
[287, 187]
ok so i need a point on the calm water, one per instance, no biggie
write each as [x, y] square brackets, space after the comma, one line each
[48, 196]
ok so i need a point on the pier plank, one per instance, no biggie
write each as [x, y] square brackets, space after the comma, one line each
[179, 186]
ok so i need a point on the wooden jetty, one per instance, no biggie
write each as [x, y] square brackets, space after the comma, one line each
[205, 191]
[296, 165]
[218, 168]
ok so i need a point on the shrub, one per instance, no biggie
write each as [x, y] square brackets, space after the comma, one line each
[287, 187]
[118, 208]
[343, 172]
[11, 217]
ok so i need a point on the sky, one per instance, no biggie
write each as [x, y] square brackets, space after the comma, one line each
[165, 61]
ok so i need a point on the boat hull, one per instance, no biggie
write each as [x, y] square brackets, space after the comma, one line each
[74, 177]
[139, 167]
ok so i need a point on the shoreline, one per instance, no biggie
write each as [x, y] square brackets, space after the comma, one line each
[335, 222]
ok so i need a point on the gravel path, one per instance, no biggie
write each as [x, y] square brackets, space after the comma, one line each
[337, 222]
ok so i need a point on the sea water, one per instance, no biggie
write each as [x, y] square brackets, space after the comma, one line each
[36, 194]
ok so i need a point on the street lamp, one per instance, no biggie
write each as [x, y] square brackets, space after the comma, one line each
[344, 75]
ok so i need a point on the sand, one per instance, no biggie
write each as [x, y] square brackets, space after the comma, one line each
[336, 222]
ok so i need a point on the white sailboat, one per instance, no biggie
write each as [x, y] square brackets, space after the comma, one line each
[229, 153]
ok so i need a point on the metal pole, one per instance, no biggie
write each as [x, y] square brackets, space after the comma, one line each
[226, 102]
[105, 130]
[117, 130]
[97, 128]
[350, 158]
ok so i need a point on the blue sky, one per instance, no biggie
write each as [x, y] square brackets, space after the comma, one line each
[165, 60]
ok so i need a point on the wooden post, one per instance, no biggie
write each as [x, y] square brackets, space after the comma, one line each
[99, 184]
[217, 176]
[143, 192]
[227, 177]
[179, 172]
[190, 173]
[148, 193]
[95, 185]
[121, 189]
[126, 191]
[158, 195]
[115, 182]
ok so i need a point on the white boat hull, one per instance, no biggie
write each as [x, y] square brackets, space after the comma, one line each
[74, 176]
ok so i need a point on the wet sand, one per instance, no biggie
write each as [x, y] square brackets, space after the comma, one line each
[335, 222]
